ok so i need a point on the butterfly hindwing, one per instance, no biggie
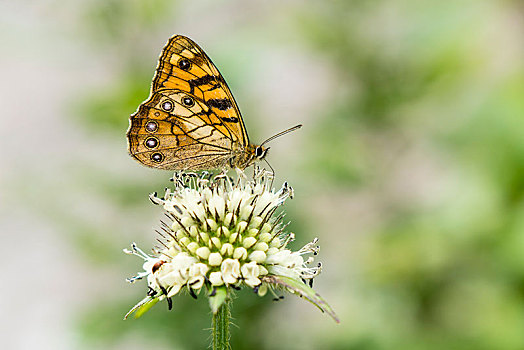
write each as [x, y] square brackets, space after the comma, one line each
[175, 130]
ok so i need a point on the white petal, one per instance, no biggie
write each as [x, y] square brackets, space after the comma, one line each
[257, 256]
[215, 259]
[216, 278]
[230, 269]
[250, 272]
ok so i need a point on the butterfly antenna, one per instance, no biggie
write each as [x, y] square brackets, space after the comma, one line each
[296, 127]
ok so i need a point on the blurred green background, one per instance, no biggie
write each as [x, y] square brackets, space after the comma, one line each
[409, 168]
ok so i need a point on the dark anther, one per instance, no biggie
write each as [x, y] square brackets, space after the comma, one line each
[151, 292]
[311, 283]
[192, 293]
[213, 292]
[184, 64]
[177, 208]
[256, 289]
[169, 301]
[276, 299]
[155, 195]
[235, 287]
[188, 101]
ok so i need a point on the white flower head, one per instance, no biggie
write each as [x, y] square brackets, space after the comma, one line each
[222, 235]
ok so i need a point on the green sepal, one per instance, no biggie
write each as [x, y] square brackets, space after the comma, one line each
[219, 297]
[303, 290]
[142, 307]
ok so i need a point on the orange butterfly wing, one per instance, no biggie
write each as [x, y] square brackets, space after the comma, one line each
[178, 137]
[201, 129]
[184, 65]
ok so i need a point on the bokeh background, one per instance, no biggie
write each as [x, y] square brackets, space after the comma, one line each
[409, 168]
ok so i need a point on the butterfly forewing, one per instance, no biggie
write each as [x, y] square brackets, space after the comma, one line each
[184, 65]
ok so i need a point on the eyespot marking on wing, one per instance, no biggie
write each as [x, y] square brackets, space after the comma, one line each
[157, 157]
[151, 142]
[152, 126]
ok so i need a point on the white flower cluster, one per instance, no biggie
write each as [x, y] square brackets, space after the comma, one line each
[222, 234]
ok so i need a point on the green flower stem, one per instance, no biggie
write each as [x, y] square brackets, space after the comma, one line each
[221, 327]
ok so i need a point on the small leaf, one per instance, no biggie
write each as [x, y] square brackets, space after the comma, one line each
[301, 289]
[217, 299]
[142, 307]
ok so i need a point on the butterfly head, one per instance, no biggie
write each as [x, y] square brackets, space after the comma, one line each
[254, 153]
[261, 152]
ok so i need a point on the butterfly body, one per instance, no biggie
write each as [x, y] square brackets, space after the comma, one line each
[190, 120]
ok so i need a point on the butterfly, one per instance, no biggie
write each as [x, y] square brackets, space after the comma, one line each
[190, 120]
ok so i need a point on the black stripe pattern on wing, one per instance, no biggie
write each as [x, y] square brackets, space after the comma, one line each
[204, 80]
[221, 103]
[230, 119]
